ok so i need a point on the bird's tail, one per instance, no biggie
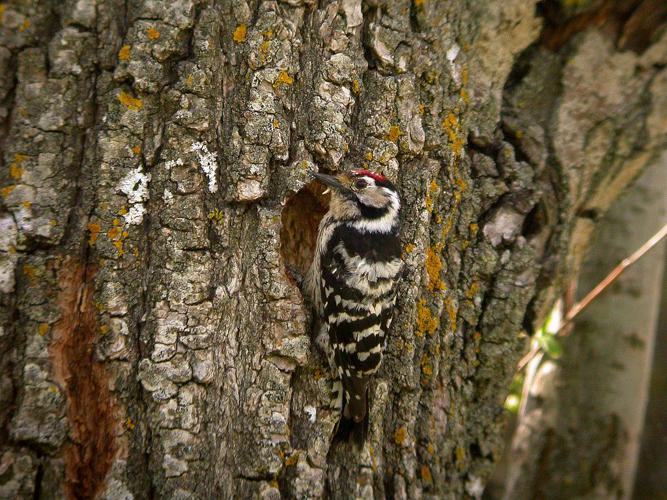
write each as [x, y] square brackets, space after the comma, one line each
[353, 424]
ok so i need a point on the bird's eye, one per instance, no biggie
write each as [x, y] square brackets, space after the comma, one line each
[360, 184]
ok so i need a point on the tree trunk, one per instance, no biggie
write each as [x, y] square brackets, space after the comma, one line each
[155, 183]
[651, 477]
[579, 434]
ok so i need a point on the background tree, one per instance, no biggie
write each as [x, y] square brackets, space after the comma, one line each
[580, 430]
[155, 170]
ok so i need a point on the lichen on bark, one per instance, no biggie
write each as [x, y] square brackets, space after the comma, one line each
[168, 145]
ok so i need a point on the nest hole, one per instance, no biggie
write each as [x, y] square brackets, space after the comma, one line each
[300, 220]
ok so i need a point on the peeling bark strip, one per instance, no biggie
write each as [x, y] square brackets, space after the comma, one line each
[88, 458]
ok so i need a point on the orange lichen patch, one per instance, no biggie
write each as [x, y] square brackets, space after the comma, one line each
[433, 269]
[94, 230]
[43, 329]
[292, 459]
[114, 233]
[132, 103]
[452, 127]
[426, 322]
[240, 33]
[400, 435]
[420, 109]
[432, 189]
[152, 33]
[129, 424]
[136, 149]
[477, 336]
[465, 74]
[425, 471]
[474, 228]
[452, 312]
[276, 123]
[30, 271]
[124, 52]
[427, 369]
[90, 407]
[24, 25]
[20, 157]
[394, 133]
[465, 97]
[7, 190]
[2, 12]
[356, 86]
[431, 449]
[283, 78]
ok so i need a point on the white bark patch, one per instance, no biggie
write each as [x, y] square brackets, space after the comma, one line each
[208, 162]
[311, 411]
[135, 186]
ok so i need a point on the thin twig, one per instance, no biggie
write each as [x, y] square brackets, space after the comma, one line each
[584, 303]
[612, 276]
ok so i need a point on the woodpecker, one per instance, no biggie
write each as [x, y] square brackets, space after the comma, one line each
[352, 283]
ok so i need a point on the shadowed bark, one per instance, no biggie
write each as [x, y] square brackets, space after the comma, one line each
[156, 159]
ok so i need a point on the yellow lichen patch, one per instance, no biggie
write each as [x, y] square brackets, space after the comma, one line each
[426, 322]
[152, 33]
[465, 97]
[26, 204]
[400, 435]
[283, 78]
[460, 457]
[132, 103]
[122, 211]
[94, 230]
[430, 448]
[129, 424]
[472, 290]
[15, 171]
[420, 109]
[24, 25]
[135, 252]
[474, 228]
[410, 247]
[264, 51]
[20, 157]
[104, 329]
[136, 149]
[43, 329]
[394, 133]
[432, 189]
[425, 471]
[124, 52]
[464, 75]
[189, 81]
[2, 12]
[268, 34]
[276, 123]
[356, 86]
[116, 222]
[369, 155]
[452, 127]
[240, 33]
[216, 215]
[433, 269]
[119, 246]
[30, 271]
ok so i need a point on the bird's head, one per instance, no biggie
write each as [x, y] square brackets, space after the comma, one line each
[360, 194]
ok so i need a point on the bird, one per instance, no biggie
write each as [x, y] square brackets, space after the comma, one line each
[351, 284]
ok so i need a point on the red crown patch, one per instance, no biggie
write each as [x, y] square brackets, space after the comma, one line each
[368, 173]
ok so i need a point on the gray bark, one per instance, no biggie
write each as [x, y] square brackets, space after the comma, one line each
[155, 184]
[581, 423]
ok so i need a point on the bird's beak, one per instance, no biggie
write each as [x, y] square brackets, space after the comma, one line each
[332, 182]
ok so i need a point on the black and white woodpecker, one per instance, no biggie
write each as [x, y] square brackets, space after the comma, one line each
[352, 283]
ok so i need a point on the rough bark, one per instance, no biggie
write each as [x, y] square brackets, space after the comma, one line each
[155, 183]
[581, 425]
